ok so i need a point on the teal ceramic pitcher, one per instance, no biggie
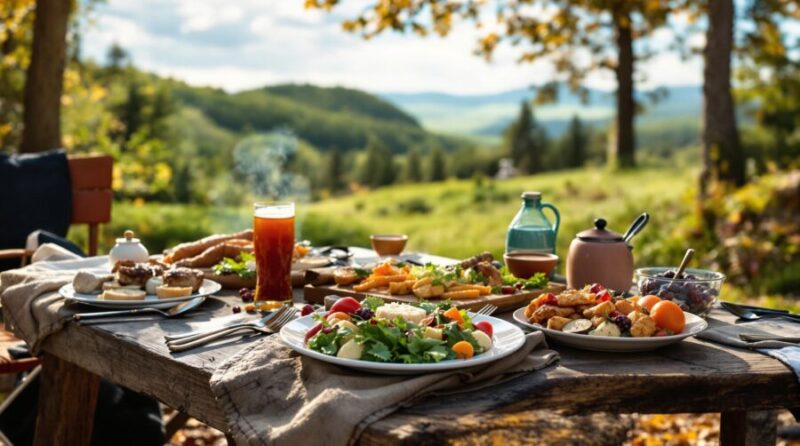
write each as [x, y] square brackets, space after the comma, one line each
[531, 230]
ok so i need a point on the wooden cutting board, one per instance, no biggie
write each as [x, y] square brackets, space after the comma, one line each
[505, 302]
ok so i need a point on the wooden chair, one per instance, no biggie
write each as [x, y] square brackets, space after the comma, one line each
[90, 176]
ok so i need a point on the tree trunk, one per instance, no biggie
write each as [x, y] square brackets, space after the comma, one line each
[626, 142]
[44, 80]
[722, 155]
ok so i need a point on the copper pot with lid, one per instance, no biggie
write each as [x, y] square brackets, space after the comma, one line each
[600, 255]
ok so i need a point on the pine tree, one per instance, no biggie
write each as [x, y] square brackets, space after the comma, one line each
[334, 176]
[413, 172]
[526, 141]
[575, 143]
[378, 168]
[438, 169]
[518, 137]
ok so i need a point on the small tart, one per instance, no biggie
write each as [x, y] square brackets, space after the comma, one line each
[169, 292]
[123, 294]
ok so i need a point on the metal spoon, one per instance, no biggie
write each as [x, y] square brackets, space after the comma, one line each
[636, 227]
[750, 315]
[684, 263]
[178, 309]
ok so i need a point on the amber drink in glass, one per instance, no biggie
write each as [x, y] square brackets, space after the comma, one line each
[273, 242]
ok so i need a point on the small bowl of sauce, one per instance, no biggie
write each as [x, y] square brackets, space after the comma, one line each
[388, 244]
[524, 264]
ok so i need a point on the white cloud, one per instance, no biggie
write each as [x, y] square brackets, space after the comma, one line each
[247, 43]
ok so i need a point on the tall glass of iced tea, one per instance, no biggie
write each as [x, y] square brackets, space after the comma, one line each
[273, 240]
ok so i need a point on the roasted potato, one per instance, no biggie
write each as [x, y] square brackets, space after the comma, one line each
[557, 322]
[600, 309]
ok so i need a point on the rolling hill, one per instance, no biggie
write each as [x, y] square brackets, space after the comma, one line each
[328, 118]
[487, 115]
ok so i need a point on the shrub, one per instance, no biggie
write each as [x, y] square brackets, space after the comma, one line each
[414, 205]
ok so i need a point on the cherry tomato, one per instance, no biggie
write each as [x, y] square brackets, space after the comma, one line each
[603, 296]
[669, 316]
[596, 288]
[307, 309]
[345, 305]
[647, 302]
[550, 299]
[312, 331]
[486, 327]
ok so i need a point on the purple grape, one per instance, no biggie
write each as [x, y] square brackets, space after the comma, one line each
[622, 321]
[364, 313]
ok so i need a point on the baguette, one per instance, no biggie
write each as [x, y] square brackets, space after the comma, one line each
[122, 294]
[213, 255]
[191, 249]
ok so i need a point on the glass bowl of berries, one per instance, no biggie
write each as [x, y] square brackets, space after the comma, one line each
[695, 291]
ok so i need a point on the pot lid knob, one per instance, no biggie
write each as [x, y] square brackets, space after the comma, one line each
[599, 233]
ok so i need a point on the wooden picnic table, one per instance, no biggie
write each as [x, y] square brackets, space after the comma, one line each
[691, 376]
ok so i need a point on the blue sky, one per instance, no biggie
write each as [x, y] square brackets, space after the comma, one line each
[241, 44]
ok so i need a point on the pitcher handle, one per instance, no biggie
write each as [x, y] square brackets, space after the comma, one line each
[555, 212]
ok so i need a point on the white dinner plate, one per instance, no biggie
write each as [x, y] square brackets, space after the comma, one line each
[694, 325]
[208, 288]
[507, 339]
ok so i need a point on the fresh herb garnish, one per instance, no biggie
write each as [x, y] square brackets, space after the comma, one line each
[372, 302]
[240, 267]
[362, 273]
[538, 282]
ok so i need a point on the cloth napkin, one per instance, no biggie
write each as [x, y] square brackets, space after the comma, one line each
[273, 396]
[786, 352]
[31, 303]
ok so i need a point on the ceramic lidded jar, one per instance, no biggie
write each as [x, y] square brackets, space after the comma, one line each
[128, 248]
[599, 255]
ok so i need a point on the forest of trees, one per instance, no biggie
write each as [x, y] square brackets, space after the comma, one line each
[174, 142]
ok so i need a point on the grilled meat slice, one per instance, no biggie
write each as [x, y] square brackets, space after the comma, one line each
[130, 273]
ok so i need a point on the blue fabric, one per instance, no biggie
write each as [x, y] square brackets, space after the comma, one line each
[787, 355]
[35, 193]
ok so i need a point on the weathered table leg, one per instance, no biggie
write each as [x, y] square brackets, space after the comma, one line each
[67, 399]
[754, 428]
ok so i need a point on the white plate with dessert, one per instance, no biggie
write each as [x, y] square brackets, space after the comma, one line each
[130, 299]
[135, 285]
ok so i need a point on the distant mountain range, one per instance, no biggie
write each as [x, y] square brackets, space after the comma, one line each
[487, 115]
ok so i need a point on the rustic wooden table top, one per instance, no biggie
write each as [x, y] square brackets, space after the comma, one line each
[692, 376]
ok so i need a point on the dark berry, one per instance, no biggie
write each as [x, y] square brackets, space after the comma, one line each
[622, 321]
[307, 309]
[248, 296]
[364, 313]
[508, 290]
[237, 309]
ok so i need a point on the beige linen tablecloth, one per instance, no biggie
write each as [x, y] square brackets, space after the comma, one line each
[32, 306]
[273, 396]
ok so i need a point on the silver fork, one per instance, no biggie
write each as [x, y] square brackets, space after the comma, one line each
[272, 326]
[487, 310]
[202, 333]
